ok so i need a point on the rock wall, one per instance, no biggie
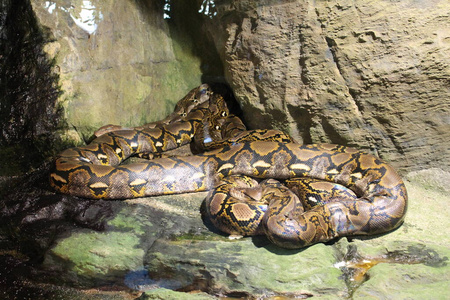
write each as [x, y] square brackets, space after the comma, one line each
[371, 74]
[118, 61]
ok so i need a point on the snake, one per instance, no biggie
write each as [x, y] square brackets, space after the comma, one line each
[258, 181]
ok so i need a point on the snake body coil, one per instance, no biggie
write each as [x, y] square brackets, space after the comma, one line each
[361, 193]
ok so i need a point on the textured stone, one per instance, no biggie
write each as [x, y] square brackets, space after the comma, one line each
[248, 267]
[163, 294]
[98, 257]
[161, 244]
[420, 266]
[371, 74]
[118, 62]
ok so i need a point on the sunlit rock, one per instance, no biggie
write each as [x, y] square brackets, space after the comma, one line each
[118, 62]
[371, 74]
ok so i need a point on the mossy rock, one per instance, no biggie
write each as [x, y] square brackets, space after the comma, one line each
[161, 244]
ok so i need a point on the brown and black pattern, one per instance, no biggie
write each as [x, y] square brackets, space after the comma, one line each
[335, 191]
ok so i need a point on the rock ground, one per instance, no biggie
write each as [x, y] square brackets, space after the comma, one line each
[159, 245]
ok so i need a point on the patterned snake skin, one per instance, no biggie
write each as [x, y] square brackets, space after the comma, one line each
[329, 191]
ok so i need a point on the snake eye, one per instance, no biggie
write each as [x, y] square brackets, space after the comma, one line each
[184, 114]
[195, 100]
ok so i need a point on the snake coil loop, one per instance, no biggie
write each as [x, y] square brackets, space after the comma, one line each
[329, 191]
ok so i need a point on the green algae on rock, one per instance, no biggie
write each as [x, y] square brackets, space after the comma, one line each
[230, 267]
[125, 61]
[92, 258]
[161, 243]
[164, 294]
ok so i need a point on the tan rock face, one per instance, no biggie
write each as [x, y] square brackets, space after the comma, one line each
[371, 74]
[117, 60]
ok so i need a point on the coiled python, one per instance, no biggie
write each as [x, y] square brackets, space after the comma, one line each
[335, 191]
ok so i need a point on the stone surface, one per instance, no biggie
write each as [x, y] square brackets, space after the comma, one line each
[93, 258]
[160, 247]
[422, 239]
[163, 294]
[371, 74]
[118, 62]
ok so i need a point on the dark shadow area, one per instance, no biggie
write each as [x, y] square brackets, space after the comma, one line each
[225, 91]
[29, 113]
[189, 22]
[32, 218]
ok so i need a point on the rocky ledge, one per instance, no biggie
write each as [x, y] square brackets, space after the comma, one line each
[161, 248]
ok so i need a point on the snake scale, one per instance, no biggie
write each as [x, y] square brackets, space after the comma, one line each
[259, 181]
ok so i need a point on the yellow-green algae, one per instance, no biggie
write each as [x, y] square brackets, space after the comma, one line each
[185, 250]
[164, 294]
[240, 266]
[131, 224]
[425, 230]
[405, 282]
[93, 254]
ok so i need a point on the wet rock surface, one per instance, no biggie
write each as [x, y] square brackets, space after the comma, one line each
[114, 56]
[160, 247]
